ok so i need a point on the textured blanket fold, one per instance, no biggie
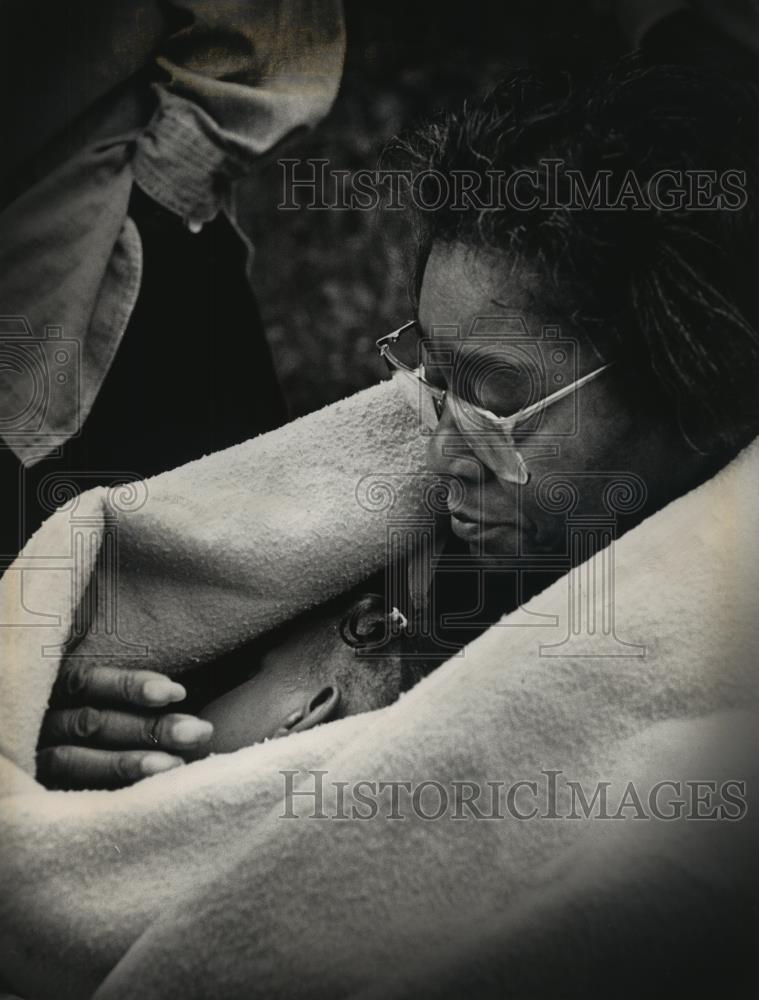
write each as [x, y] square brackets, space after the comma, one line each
[215, 880]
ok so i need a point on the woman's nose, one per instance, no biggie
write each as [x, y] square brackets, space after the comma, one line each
[449, 453]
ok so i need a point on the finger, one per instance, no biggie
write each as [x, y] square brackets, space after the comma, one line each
[108, 728]
[97, 683]
[82, 767]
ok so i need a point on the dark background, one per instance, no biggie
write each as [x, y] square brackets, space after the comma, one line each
[330, 282]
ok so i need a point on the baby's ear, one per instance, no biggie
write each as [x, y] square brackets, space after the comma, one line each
[322, 707]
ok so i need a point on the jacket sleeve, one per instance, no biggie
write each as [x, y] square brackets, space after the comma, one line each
[236, 78]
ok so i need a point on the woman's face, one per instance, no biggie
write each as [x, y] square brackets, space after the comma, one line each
[469, 303]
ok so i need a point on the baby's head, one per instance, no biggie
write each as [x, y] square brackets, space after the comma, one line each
[328, 664]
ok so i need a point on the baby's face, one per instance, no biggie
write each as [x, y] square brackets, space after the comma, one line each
[310, 657]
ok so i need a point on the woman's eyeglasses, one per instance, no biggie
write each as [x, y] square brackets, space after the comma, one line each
[490, 436]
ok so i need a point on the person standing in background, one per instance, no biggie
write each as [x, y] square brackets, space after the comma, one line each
[130, 340]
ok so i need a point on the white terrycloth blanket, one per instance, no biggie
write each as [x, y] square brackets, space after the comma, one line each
[193, 884]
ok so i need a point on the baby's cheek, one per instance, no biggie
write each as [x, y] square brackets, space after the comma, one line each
[375, 681]
[242, 717]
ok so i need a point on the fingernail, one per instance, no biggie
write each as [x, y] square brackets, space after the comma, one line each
[155, 763]
[188, 731]
[162, 690]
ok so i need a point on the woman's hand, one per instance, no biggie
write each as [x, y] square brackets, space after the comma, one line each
[108, 727]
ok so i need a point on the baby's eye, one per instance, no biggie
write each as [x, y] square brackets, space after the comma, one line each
[366, 622]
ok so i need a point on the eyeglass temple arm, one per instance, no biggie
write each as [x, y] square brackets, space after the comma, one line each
[383, 343]
[554, 397]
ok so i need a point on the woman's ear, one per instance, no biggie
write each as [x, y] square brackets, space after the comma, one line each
[322, 707]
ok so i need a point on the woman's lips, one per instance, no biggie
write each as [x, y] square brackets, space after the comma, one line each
[468, 529]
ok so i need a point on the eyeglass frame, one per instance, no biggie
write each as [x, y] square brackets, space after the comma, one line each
[505, 425]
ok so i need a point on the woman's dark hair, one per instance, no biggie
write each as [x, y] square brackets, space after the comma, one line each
[669, 291]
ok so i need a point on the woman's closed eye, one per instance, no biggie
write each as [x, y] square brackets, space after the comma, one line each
[500, 388]
[433, 375]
